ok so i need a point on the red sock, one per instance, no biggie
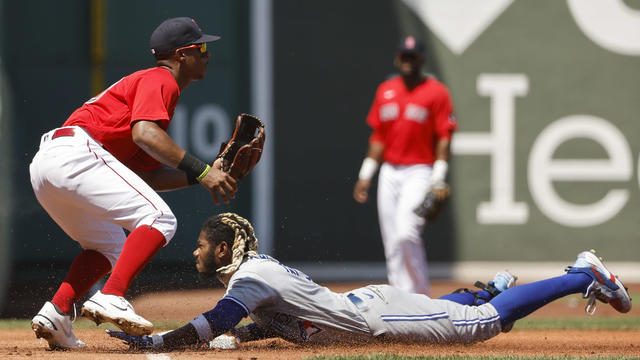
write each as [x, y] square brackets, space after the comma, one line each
[87, 268]
[139, 248]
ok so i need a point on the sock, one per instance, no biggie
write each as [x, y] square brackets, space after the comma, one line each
[466, 298]
[520, 301]
[87, 268]
[139, 248]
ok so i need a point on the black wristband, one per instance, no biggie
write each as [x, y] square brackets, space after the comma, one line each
[193, 166]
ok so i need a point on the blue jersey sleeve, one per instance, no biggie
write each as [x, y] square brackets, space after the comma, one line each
[224, 316]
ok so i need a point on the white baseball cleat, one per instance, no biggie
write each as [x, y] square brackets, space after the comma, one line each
[605, 286]
[55, 327]
[115, 309]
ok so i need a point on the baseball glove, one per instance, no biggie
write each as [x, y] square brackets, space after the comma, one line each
[243, 151]
[431, 206]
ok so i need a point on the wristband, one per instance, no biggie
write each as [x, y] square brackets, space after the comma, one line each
[157, 340]
[202, 327]
[194, 167]
[439, 171]
[368, 169]
[204, 173]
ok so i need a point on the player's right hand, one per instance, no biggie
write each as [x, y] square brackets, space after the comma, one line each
[134, 342]
[361, 191]
[220, 183]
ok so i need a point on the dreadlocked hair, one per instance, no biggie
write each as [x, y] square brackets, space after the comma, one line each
[238, 233]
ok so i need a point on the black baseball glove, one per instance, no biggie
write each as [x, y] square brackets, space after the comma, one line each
[243, 151]
[432, 204]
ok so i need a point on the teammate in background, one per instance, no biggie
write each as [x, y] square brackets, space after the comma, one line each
[284, 302]
[100, 171]
[412, 120]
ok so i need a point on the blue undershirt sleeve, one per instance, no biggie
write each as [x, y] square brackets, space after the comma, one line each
[224, 316]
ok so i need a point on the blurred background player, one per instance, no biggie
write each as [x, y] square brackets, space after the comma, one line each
[99, 173]
[412, 121]
[284, 302]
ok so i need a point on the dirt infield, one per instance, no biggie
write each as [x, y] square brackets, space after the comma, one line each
[184, 305]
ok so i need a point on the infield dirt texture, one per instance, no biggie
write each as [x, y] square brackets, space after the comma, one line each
[181, 306]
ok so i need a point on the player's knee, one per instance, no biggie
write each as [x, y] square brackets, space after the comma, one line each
[408, 237]
[167, 224]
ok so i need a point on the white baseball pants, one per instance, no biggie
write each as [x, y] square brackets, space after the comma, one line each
[400, 190]
[92, 196]
[418, 318]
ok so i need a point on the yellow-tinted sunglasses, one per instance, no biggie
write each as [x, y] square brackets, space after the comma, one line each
[203, 47]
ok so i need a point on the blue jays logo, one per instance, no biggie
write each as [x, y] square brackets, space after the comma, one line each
[307, 329]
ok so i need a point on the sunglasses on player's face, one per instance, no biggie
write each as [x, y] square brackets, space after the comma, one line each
[408, 57]
[202, 47]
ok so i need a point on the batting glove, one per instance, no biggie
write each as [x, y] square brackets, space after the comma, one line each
[138, 342]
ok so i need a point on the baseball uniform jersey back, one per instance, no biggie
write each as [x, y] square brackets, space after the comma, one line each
[286, 301]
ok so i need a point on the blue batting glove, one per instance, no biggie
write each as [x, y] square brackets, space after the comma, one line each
[134, 341]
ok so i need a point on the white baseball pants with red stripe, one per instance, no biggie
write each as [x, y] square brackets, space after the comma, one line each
[402, 188]
[92, 196]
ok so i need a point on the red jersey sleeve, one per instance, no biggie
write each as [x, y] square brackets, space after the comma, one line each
[154, 98]
[443, 116]
[373, 120]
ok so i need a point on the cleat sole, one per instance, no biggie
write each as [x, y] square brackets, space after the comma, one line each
[124, 325]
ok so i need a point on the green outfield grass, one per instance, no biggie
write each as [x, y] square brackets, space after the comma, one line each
[396, 357]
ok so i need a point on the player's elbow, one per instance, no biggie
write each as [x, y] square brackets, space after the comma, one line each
[143, 132]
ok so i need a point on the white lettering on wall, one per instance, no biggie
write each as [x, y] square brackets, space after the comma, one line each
[498, 144]
[204, 118]
[210, 126]
[611, 24]
[543, 170]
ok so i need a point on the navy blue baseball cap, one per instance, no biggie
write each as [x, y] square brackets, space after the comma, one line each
[177, 32]
[410, 44]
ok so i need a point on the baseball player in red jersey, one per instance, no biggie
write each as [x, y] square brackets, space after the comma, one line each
[412, 121]
[100, 171]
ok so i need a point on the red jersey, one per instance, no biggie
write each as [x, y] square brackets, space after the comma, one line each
[150, 94]
[409, 122]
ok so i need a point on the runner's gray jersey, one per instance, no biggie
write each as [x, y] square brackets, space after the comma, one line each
[286, 301]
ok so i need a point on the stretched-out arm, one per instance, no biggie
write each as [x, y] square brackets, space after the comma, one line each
[205, 327]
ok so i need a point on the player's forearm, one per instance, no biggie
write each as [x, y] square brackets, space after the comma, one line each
[443, 149]
[156, 142]
[165, 179]
[375, 151]
[180, 338]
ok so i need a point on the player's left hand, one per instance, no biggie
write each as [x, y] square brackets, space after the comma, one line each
[243, 151]
[433, 202]
[134, 341]
[441, 190]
